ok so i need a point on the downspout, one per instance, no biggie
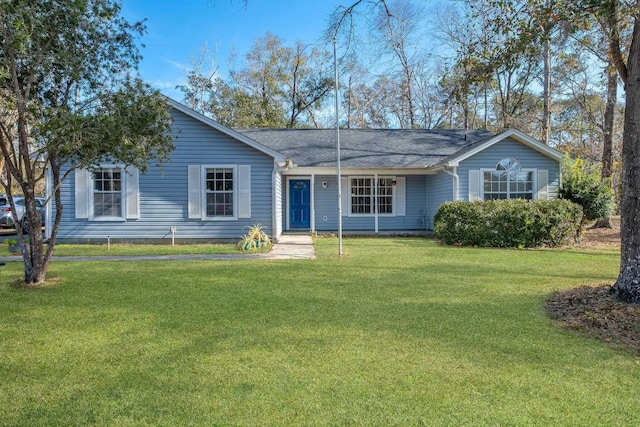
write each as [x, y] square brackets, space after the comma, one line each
[277, 228]
[456, 180]
[426, 204]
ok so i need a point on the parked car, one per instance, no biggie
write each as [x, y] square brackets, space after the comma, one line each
[9, 219]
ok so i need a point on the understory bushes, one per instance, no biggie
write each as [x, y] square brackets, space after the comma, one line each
[514, 223]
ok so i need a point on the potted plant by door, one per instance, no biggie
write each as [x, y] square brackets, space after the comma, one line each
[255, 238]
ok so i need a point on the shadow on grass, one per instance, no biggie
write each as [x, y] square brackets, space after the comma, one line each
[397, 333]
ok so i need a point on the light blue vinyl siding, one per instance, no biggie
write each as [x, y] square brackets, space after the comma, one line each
[509, 149]
[278, 205]
[440, 190]
[441, 186]
[326, 205]
[163, 196]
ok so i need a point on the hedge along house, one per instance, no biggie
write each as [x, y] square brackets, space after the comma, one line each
[220, 181]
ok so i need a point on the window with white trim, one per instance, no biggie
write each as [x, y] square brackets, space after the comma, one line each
[385, 195]
[219, 192]
[107, 192]
[508, 181]
[368, 194]
[361, 196]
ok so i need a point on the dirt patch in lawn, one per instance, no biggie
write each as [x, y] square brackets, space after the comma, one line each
[601, 238]
[591, 309]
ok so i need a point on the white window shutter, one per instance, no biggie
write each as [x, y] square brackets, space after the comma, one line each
[83, 192]
[132, 193]
[194, 192]
[474, 185]
[401, 196]
[244, 191]
[345, 196]
[543, 183]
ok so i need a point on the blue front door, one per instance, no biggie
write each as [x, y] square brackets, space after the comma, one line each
[299, 203]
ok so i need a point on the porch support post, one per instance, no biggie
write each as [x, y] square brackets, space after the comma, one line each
[312, 207]
[375, 201]
[274, 203]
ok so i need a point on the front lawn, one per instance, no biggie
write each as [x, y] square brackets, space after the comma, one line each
[122, 249]
[396, 332]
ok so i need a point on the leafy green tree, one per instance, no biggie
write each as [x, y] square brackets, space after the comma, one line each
[69, 100]
[627, 286]
[262, 79]
[274, 86]
[307, 82]
[584, 186]
[232, 106]
[625, 57]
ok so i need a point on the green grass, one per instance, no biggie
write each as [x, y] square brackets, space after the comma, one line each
[396, 332]
[121, 249]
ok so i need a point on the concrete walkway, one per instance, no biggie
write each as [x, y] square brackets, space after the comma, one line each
[290, 246]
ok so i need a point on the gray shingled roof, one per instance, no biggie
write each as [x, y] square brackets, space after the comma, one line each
[366, 148]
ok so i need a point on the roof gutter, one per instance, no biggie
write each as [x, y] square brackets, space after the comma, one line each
[456, 180]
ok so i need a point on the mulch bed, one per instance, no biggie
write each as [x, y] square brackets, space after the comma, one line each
[593, 311]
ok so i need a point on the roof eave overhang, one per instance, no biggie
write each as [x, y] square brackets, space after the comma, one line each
[350, 170]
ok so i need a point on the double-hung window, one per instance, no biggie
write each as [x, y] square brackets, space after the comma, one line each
[107, 192]
[385, 195]
[370, 195]
[361, 195]
[508, 181]
[219, 192]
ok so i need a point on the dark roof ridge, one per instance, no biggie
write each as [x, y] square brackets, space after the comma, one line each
[254, 129]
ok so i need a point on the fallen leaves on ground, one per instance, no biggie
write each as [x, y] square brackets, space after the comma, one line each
[593, 311]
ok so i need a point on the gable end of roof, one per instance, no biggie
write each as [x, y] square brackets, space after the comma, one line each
[522, 138]
[278, 157]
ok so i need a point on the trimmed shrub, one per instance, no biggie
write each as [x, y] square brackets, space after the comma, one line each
[583, 185]
[514, 223]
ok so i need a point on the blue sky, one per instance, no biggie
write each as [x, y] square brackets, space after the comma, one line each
[177, 30]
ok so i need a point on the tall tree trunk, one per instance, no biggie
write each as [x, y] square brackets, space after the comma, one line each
[485, 119]
[409, 96]
[465, 109]
[627, 287]
[607, 134]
